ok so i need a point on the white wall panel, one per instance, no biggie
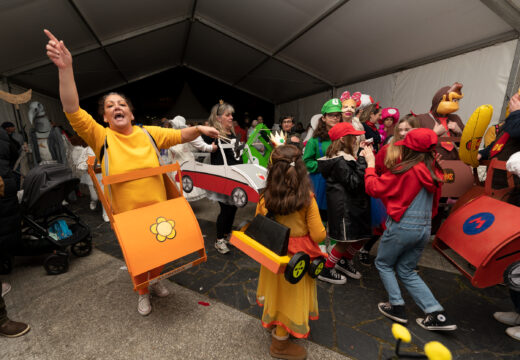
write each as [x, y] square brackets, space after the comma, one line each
[303, 109]
[484, 74]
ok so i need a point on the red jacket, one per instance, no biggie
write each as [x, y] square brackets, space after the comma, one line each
[397, 191]
[380, 160]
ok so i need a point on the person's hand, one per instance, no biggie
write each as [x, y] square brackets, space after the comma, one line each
[368, 154]
[363, 144]
[208, 131]
[57, 51]
[439, 129]
[514, 103]
[213, 147]
[438, 159]
[452, 125]
[479, 156]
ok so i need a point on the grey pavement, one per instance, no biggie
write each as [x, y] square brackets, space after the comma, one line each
[90, 313]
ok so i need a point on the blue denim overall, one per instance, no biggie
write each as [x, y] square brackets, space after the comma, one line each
[399, 250]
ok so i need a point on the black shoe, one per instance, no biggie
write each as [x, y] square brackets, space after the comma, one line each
[364, 257]
[330, 275]
[13, 329]
[436, 320]
[347, 268]
[394, 312]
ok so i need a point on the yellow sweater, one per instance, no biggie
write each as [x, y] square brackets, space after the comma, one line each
[127, 153]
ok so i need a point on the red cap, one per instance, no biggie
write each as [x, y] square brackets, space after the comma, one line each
[420, 139]
[341, 129]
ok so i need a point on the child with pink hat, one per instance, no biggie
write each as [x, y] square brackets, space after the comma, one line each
[389, 117]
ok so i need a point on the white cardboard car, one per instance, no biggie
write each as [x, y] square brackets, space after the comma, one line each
[243, 182]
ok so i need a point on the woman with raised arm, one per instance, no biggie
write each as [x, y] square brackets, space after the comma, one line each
[130, 148]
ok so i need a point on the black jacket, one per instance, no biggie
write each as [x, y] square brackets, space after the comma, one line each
[348, 206]
[216, 157]
[9, 207]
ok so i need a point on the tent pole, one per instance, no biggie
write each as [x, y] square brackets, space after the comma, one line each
[514, 81]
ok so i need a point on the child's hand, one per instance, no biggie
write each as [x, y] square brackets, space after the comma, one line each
[452, 125]
[439, 129]
[368, 154]
[438, 159]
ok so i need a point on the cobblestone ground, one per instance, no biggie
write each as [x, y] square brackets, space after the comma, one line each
[349, 321]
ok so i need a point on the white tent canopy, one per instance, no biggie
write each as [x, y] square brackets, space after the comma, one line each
[280, 51]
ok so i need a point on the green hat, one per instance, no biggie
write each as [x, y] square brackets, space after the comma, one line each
[331, 106]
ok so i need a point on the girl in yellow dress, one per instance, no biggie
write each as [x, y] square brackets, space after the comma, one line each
[288, 307]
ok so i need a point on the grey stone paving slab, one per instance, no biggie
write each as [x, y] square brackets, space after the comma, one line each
[354, 305]
[90, 313]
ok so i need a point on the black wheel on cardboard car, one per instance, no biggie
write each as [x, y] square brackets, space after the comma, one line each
[187, 183]
[239, 197]
[82, 248]
[56, 264]
[316, 266]
[512, 276]
[297, 267]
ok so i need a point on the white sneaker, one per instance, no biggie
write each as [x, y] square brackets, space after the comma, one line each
[221, 246]
[159, 289]
[514, 332]
[6, 287]
[105, 218]
[509, 318]
[143, 305]
[93, 205]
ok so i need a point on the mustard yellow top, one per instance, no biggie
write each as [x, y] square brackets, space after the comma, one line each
[127, 153]
[305, 221]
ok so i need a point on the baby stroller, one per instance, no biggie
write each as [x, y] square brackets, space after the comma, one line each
[43, 213]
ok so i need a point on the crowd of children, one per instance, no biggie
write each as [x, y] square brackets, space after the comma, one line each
[366, 182]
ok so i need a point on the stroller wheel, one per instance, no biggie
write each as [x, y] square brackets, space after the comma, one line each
[82, 248]
[56, 264]
[6, 264]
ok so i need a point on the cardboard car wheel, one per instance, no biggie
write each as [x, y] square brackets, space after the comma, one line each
[187, 183]
[297, 267]
[239, 197]
[512, 276]
[316, 267]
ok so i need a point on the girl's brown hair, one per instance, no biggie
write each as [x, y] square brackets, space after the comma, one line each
[288, 187]
[393, 153]
[371, 109]
[348, 146]
[321, 131]
[412, 158]
[101, 103]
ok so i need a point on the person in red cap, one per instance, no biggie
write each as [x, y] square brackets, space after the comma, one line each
[348, 204]
[410, 192]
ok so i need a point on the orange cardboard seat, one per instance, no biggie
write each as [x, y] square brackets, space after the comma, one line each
[157, 234]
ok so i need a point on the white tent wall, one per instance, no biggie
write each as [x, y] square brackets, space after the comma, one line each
[484, 74]
[302, 109]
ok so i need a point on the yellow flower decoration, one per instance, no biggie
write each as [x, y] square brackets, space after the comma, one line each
[163, 229]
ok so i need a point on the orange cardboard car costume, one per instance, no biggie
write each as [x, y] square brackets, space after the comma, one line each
[157, 234]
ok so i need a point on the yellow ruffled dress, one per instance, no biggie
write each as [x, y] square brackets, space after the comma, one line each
[285, 304]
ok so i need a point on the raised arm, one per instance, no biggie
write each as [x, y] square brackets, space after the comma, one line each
[61, 57]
